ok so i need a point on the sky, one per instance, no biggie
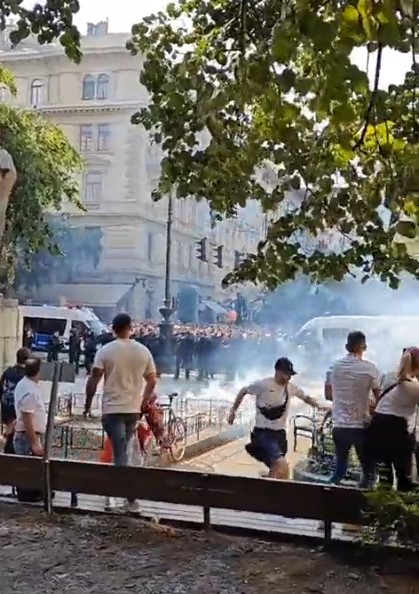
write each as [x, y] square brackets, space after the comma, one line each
[122, 14]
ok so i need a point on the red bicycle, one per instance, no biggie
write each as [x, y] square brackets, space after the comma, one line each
[156, 437]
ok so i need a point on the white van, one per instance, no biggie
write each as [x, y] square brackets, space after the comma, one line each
[45, 320]
[323, 338]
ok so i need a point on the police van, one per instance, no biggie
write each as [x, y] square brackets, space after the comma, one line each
[43, 321]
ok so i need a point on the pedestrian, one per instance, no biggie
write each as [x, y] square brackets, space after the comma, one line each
[31, 420]
[390, 439]
[125, 366]
[269, 437]
[74, 349]
[349, 384]
[8, 382]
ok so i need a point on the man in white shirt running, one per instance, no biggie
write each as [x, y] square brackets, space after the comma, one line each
[269, 436]
[126, 366]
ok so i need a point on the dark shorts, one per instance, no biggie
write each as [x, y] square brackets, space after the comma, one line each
[267, 446]
[8, 413]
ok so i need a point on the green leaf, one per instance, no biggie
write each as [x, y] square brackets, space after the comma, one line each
[47, 171]
[282, 47]
[265, 89]
[350, 14]
[50, 20]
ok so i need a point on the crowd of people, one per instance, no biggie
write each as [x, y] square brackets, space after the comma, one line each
[200, 350]
[372, 412]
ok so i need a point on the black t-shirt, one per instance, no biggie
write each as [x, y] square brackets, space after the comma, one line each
[10, 378]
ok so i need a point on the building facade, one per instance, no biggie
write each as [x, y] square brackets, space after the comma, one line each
[125, 248]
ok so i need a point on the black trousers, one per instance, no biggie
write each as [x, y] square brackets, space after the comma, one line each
[389, 444]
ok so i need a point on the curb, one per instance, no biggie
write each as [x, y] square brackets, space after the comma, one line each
[207, 444]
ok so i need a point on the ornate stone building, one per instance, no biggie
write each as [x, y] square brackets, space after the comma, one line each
[93, 102]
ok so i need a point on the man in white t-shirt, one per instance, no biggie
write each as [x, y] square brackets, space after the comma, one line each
[31, 421]
[350, 383]
[269, 436]
[31, 418]
[130, 378]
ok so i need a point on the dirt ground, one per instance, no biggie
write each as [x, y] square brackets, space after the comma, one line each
[79, 554]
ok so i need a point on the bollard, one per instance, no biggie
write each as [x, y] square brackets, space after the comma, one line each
[48, 436]
[55, 372]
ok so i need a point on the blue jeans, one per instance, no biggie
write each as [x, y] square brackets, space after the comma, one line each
[120, 429]
[22, 447]
[22, 444]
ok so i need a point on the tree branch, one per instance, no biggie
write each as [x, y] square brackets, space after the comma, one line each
[371, 105]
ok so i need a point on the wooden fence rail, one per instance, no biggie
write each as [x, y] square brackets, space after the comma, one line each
[208, 491]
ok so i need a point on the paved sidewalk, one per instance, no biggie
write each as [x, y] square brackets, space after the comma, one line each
[233, 459]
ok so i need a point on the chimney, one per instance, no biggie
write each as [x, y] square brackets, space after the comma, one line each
[98, 29]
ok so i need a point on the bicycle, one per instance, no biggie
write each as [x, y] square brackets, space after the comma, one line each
[173, 440]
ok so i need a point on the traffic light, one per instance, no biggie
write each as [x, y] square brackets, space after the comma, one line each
[202, 246]
[218, 256]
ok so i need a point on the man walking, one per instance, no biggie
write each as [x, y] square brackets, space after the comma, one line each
[125, 366]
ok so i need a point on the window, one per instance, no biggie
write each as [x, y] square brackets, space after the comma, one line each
[103, 137]
[86, 138]
[150, 246]
[37, 91]
[102, 87]
[4, 94]
[93, 187]
[89, 87]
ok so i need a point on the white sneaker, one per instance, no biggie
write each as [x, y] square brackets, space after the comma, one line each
[132, 507]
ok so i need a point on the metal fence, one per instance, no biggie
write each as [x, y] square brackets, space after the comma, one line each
[77, 439]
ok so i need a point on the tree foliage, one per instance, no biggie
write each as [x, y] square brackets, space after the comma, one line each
[274, 87]
[47, 167]
[49, 20]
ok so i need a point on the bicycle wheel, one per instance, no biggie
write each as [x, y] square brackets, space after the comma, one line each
[176, 433]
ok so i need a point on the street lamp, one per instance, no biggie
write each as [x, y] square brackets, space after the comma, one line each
[166, 362]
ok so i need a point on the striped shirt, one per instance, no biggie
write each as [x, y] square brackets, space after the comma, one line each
[352, 380]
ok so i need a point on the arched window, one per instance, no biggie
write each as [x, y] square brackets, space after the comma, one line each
[102, 90]
[37, 92]
[88, 88]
